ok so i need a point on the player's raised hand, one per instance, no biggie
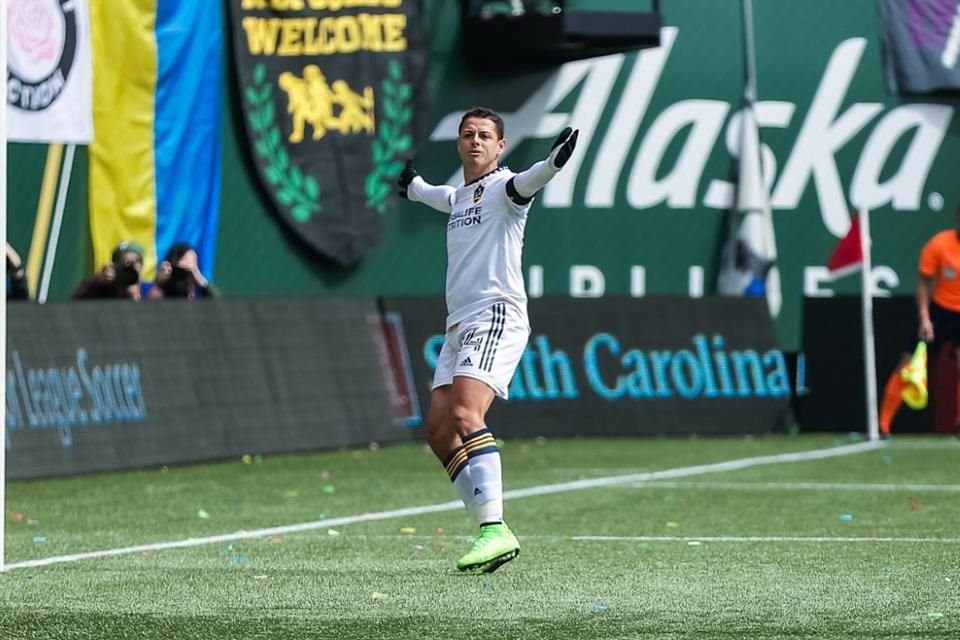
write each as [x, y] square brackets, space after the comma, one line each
[406, 177]
[563, 147]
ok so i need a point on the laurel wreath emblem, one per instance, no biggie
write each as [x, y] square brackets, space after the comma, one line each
[391, 143]
[299, 192]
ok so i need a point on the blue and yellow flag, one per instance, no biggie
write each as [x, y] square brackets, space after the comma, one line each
[155, 161]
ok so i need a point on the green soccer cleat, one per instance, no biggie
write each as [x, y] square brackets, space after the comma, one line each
[496, 545]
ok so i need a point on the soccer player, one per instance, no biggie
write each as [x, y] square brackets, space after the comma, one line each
[487, 325]
[938, 311]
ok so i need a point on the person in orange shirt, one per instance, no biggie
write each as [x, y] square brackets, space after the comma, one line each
[938, 311]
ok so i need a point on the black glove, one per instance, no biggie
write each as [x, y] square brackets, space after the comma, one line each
[563, 147]
[406, 177]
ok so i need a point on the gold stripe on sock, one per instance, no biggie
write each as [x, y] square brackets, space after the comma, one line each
[459, 457]
[480, 443]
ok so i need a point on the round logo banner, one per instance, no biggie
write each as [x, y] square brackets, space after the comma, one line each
[41, 46]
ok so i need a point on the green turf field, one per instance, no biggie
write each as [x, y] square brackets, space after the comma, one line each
[863, 545]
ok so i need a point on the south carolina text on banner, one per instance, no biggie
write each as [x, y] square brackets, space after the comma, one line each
[48, 71]
[155, 167]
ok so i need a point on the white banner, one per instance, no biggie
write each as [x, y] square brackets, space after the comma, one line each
[49, 73]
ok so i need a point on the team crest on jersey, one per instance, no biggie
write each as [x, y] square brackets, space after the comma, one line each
[477, 193]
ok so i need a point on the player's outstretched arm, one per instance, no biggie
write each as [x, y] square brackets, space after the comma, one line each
[523, 186]
[416, 189]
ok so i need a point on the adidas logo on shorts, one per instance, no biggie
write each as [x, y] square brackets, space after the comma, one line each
[466, 362]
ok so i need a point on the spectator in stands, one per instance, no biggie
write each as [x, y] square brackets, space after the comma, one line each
[17, 288]
[120, 278]
[179, 276]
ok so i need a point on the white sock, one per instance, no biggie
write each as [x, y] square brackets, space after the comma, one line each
[459, 471]
[487, 475]
[463, 483]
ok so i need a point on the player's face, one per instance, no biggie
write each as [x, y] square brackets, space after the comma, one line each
[479, 145]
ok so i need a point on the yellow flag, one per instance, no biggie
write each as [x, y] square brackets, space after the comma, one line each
[915, 375]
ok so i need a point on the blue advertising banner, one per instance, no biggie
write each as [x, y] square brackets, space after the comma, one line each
[630, 366]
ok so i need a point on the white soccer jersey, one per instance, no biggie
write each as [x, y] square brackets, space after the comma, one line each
[484, 247]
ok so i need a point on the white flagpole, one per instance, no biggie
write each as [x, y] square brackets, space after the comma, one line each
[54, 239]
[749, 54]
[869, 351]
[3, 294]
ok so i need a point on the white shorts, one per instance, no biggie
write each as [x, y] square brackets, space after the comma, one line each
[486, 346]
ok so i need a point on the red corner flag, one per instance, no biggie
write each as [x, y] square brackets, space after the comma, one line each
[848, 256]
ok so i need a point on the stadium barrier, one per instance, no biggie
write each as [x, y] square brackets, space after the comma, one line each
[98, 386]
[832, 339]
[618, 366]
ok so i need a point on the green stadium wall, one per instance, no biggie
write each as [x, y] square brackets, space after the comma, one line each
[833, 130]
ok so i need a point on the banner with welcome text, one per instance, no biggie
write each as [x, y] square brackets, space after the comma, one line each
[329, 90]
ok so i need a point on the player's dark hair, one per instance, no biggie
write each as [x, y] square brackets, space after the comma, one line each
[483, 112]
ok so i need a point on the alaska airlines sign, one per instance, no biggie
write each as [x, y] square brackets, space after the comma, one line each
[698, 125]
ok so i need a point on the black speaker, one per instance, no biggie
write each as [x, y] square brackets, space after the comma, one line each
[502, 35]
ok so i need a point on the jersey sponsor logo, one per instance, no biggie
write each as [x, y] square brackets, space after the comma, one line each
[949, 273]
[465, 218]
[477, 193]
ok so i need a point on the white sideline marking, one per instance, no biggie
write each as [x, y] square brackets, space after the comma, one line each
[817, 539]
[453, 505]
[934, 443]
[799, 486]
[426, 537]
